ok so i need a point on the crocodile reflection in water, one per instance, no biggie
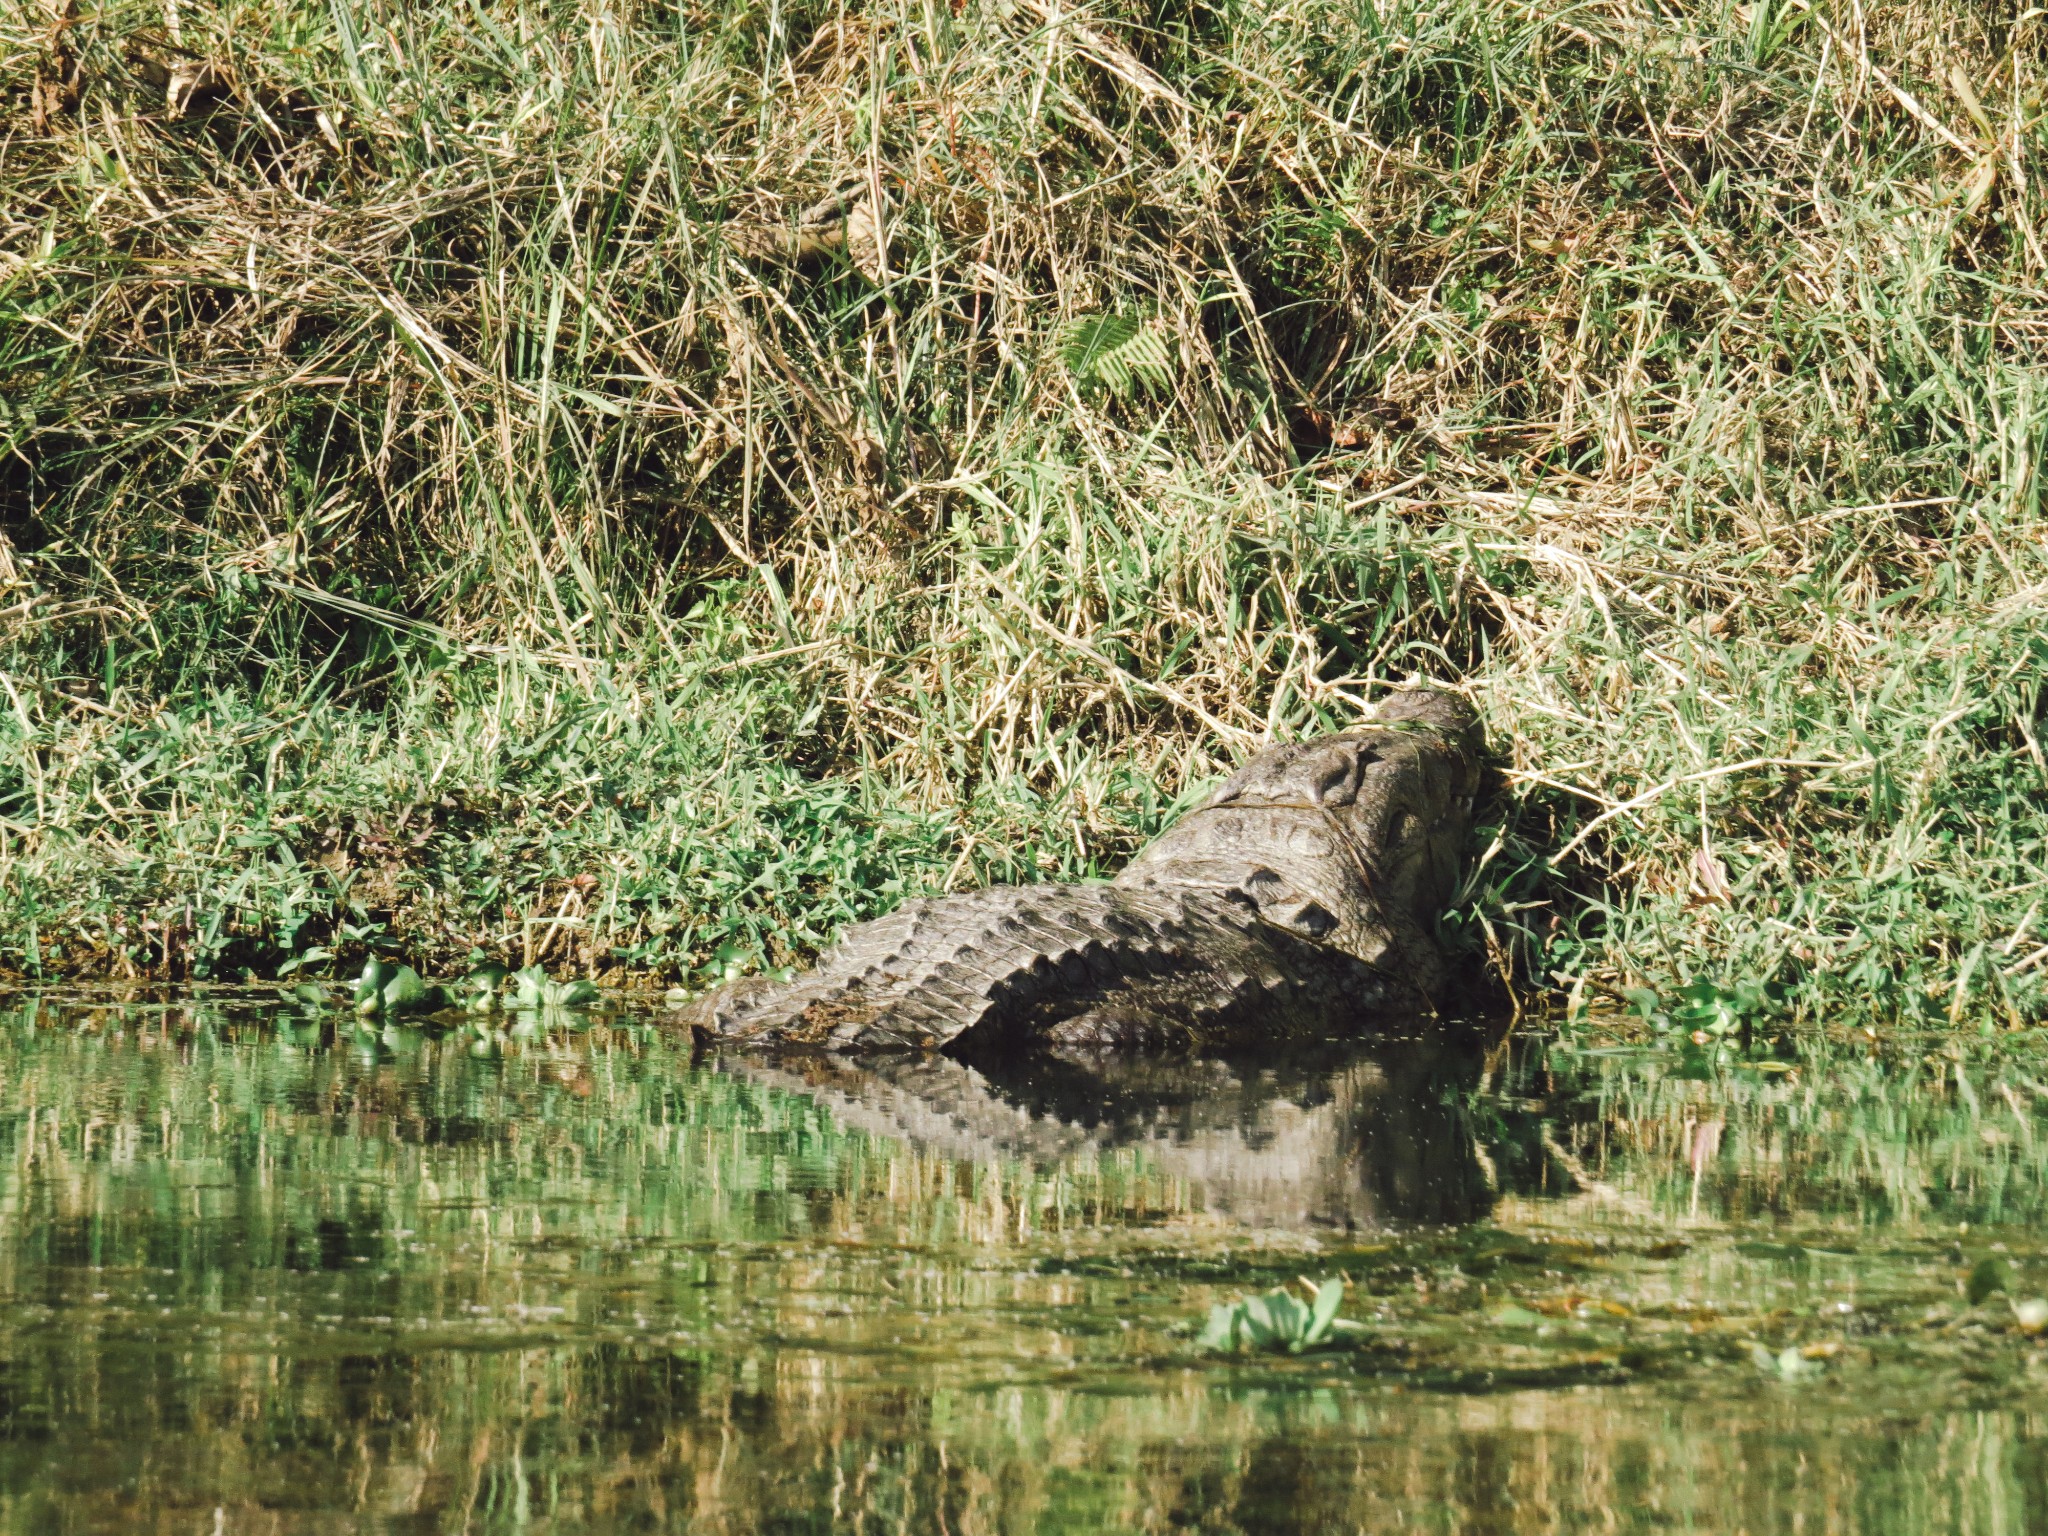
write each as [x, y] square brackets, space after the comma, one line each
[1350, 1138]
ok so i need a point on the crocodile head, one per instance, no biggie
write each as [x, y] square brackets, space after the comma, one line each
[1351, 840]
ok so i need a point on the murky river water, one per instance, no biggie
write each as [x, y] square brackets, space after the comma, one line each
[263, 1272]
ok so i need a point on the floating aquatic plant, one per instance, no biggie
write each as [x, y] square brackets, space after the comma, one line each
[1278, 1320]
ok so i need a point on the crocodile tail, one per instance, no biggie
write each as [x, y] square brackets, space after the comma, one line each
[936, 969]
[1093, 965]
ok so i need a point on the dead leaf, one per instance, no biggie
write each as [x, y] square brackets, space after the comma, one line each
[58, 85]
[1983, 177]
[845, 218]
[193, 80]
[149, 69]
[1373, 413]
[1710, 878]
[867, 240]
[870, 458]
[1959, 82]
[60, 76]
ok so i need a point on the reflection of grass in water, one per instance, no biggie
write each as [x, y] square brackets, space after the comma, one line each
[765, 1317]
[627, 1141]
[1907, 1139]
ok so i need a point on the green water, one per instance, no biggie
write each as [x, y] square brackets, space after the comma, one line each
[265, 1274]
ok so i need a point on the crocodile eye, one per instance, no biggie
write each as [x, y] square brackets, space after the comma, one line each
[1261, 888]
[1332, 777]
[1313, 919]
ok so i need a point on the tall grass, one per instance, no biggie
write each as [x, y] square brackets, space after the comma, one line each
[458, 387]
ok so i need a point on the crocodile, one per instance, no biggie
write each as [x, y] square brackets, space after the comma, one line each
[1294, 903]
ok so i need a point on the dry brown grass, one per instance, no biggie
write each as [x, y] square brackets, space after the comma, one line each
[1670, 377]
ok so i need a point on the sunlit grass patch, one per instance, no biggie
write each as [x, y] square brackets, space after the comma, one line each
[635, 488]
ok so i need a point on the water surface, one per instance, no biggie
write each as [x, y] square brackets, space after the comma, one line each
[266, 1271]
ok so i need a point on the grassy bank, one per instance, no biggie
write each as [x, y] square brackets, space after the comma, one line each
[449, 500]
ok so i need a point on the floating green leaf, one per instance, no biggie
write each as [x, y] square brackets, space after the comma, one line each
[534, 989]
[404, 991]
[387, 988]
[369, 993]
[1323, 1315]
[529, 987]
[1708, 1008]
[480, 990]
[1275, 1321]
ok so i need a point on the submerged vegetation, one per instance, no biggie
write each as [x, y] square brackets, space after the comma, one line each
[630, 487]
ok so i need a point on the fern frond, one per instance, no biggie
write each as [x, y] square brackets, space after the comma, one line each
[1123, 353]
